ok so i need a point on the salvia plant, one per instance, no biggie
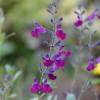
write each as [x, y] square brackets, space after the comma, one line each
[56, 56]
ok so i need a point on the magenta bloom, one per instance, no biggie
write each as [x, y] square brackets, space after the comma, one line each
[35, 88]
[66, 53]
[60, 57]
[91, 64]
[51, 76]
[92, 15]
[78, 23]
[46, 88]
[60, 63]
[38, 30]
[47, 61]
[59, 33]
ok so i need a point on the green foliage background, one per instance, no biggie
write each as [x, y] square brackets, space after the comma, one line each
[21, 50]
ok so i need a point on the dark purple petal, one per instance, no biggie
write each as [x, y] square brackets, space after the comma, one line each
[78, 23]
[35, 88]
[48, 62]
[46, 88]
[34, 34]
[68, 53]
[57, 56]
[60, 63]
[90, 67]
[91, 64]
[59, 33]
[51, 76]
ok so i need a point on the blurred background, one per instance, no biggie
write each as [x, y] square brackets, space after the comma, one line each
[21, 50]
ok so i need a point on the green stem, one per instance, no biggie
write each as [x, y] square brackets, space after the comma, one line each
[90, 43]
[90, 54]
[50, 50]
[79, 64]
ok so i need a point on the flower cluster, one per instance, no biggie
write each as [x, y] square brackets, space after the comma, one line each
[53, 60]
[43, 87]
[91, 64]
[83, 24]
[81, 21]
[56, 57]
[38, 30]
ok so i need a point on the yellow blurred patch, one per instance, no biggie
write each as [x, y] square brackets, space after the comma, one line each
[96, 71]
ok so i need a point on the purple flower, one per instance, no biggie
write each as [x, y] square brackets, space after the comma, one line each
[60, 63]
[38, 30]
[47, 61]
[78, 23]
[59, 33]
[43, 87]
[92, 15]
[66, 53]
[46, 88]
[35, 88]
[52, 76]
[91, 64]
[60, 57]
